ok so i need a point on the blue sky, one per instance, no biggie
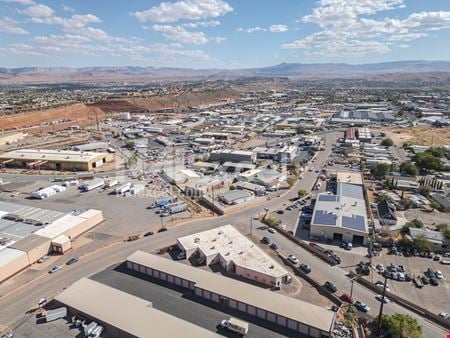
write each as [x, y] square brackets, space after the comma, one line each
[220, 33]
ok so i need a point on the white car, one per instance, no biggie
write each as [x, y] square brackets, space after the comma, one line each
[380, 298]
[381, 285]
[293, 259]
[55, 269]
[301, 177]
[438, 274]
[271, 230]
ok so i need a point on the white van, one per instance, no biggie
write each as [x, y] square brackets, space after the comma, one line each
[235, 325]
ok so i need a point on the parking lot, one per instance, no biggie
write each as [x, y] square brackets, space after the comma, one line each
[434, 298]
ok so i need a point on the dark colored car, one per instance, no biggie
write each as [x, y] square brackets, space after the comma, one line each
[330, 286]
[274, 246]
[266, 240]
[162, 230]
[434, 281]
[148, 234]
[72, 260]
[361, 306]
[425, 280]
[305, 268]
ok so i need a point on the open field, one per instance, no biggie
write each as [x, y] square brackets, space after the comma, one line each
[426, 136]
[33, 122]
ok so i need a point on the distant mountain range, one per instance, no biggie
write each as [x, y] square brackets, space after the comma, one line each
[130, 73]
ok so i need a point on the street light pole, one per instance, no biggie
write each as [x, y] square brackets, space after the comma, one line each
[251, 225]
[381, 307]
[351, 289]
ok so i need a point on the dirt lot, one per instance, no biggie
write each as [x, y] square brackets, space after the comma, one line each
[78, 114]
[426, 136]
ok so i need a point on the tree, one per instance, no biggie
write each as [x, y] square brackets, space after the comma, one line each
[424, 190]
[402, 326]
[380, 170]
[130, 145]
[291, 181]
[383, 197]
[132, 160]
[415, 223]
[409, 168]
[447, 232]
[422, 244]
[302, 193]
[387, 142]
[426, 161]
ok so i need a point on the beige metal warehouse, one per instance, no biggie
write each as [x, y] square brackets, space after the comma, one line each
[308, 319]
[124, 315]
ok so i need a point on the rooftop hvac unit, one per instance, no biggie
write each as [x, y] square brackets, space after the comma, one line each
[213, 247]
[271, 267]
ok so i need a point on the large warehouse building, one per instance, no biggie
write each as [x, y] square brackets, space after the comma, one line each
[235, 253]
[277, 309]
[124, 315]
[28, 233]
[55, 159]
[341, 217]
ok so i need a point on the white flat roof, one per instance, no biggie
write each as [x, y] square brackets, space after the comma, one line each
[349, 177]
[128, 313]
[60, 226]
[7, 255]
[303, 312]
[233, 246]
[51, 155]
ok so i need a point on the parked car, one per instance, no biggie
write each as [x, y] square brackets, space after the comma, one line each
[330, 286]
[43, 259]
[434, 281]
[361, 306]
[148, 234]
[293, 259]
[437, 258]
[438, 274]
[55, 269]
[274, 246]
[272, 230]
[266, 240]
[425, 280]
[162, 230]
[72, 260]
[381, 285]
[305, 268]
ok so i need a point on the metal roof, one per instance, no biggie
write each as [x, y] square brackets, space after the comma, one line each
[126, 312]
[303, 312]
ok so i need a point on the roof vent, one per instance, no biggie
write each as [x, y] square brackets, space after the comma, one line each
[230, 242]
[227, 254]
[213, 247]
[271, 267]
[241, 252]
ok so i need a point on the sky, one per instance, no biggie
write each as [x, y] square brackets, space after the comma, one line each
[220, 33]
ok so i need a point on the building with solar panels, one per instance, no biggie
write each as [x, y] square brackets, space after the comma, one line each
[341, 217]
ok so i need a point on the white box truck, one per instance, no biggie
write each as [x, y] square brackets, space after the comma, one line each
[235, 325]
[94, 184]
[123, 188]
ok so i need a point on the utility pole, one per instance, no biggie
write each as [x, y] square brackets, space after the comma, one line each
[381, 308]
[251, 225]
[351, 289]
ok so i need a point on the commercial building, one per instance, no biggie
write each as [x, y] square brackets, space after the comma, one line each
[94, 146]
[349, 177]
[442, 200]
[362, 117]
[55, 159]
[234, 252]
[122, 314]
[235, 197]
[341, 217]
[28, 233]
[229, 155]
[277, 309]
[178, 175]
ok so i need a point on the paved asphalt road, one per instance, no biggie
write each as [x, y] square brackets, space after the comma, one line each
[14, 306]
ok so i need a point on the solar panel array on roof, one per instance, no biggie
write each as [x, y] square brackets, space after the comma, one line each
[328, 198]
[356, 222]
[350, 190]
[325, 218]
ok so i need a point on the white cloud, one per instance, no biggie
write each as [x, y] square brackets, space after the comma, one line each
[8, 25]
[39, 11]
[180, 34]
[346, 29]
[278, 28]
[20, 2]
[251, 29]
[184, 9]
[211, 23]
[272, 28]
